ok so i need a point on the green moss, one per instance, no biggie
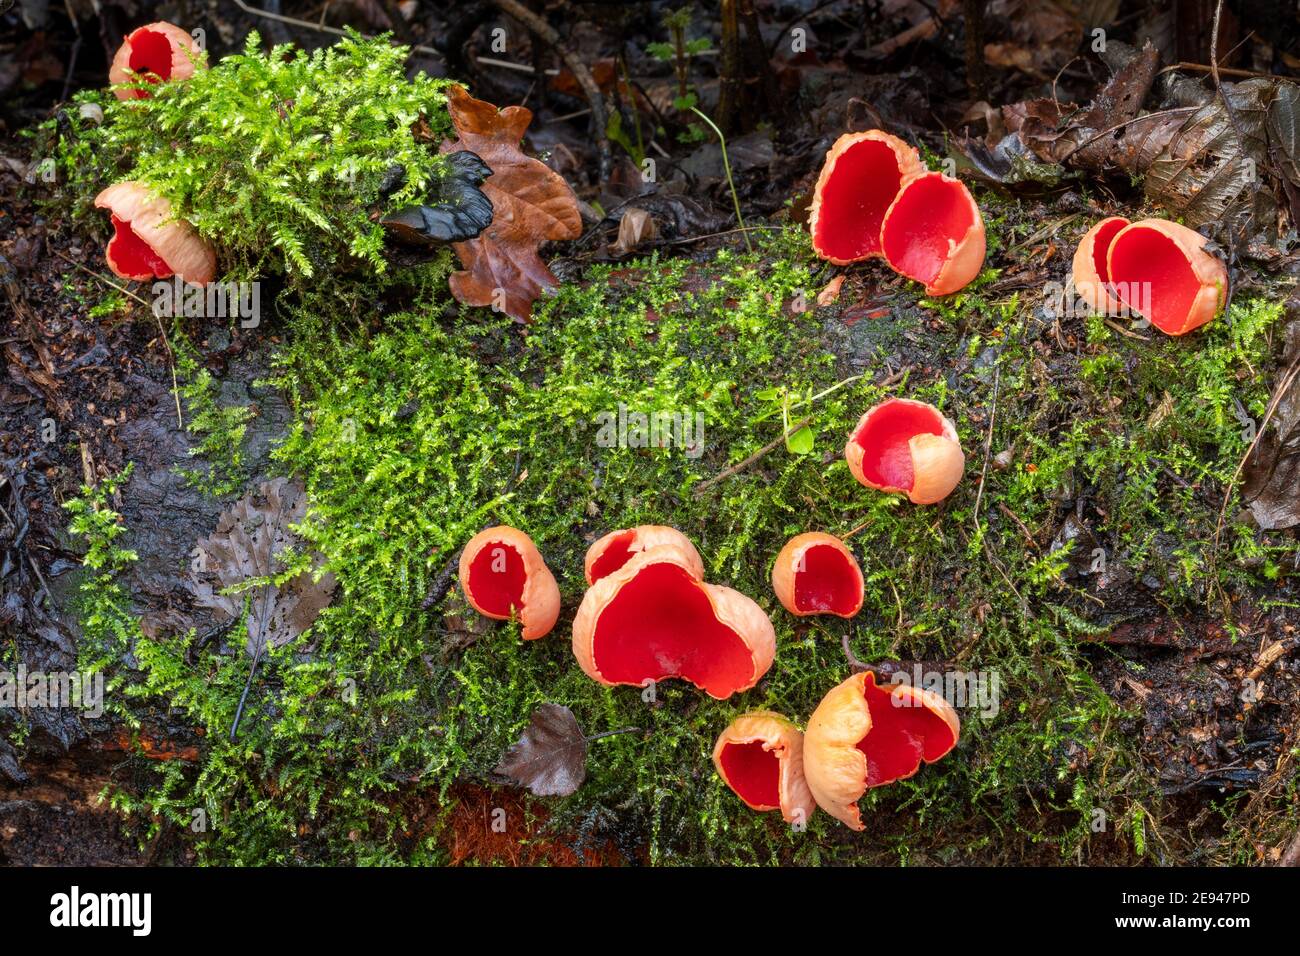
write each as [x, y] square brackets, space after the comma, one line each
[278, 157]
[414, 431]
[218, 430]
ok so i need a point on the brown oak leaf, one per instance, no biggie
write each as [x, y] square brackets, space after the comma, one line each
[532, 203]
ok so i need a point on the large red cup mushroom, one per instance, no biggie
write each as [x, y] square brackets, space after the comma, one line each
[933, 232]
[1161, 271]
[148, 243]
[1089, 270]
[863, 736]
[615, 549]
[760, 757]
[654, 618]
[859, 180]
[154, 53]
[905, 447]
[503, 575]
[816, 573]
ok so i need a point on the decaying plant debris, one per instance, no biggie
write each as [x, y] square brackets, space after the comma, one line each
[468, 301]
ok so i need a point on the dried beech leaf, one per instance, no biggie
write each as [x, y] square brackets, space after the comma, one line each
[636, 226]
[459, 210]
[532, 203]
[550, 759]
[249, 538]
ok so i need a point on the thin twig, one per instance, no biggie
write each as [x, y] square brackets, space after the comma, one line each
[1287, 381]
[1029, 538]
[742, 465]
[1174, 111]
[614, 733]
[988, 444]
[320, 27]
[1218, 83]
[545, 32]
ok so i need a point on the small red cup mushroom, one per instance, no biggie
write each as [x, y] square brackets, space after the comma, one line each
[760, 757]
[615, 549]
[1161, 271]
[1090, 272]
[905, 447]
[933, 232]
[863, 736]
[154, 53]
[148, 243]
[502, 574]
[654, 619]
[816, 573]
[859, 180]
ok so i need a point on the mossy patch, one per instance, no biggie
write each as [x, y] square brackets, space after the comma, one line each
[415, 430]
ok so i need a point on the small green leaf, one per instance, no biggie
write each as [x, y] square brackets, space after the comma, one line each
[801, 442]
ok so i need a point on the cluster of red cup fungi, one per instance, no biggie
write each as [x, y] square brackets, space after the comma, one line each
[874, 199]
[648, 615]
[1154, 268]
[149, 241]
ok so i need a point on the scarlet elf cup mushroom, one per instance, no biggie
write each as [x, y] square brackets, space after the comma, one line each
[155, 53]
[502, 574]
[611, 552]
[1158, 269]
[816, 573]
[760, 757]
[862, 736]
[906, 447]
[655, 618]
[148, 242]
[875, 199]
[859, 180]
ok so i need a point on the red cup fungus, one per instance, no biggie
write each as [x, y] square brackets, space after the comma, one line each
[816, 573]
[934, 233]
[148, 243]
[859, 180]
[1089, 270]
[760, 757]
[906, 447]
[503, 575]
[155, 53]
[1156, 269]
[615, 549]
[654, 618]
[863, 736]
[1161, 271]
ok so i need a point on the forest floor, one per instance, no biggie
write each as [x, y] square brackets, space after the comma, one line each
[1100, 561]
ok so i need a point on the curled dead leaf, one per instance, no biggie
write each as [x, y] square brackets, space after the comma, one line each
[532, 203]
[636, 226]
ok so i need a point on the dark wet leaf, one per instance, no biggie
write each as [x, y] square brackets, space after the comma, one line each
[249, 540]
[458, 211]
[1272, 474]
[550, 759]
[1226, 170]
[1206, 172]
